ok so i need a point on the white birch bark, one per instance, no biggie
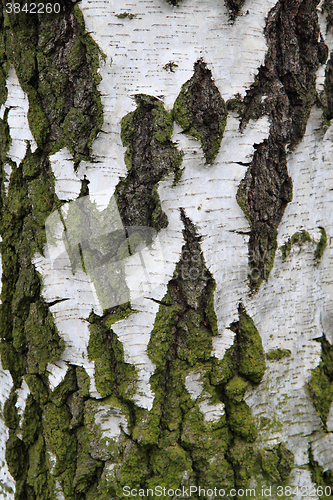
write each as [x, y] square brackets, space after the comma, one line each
[291, 309]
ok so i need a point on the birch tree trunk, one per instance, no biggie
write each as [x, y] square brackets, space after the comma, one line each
[166, 249]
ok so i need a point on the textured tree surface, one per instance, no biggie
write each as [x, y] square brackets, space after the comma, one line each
[166, 222]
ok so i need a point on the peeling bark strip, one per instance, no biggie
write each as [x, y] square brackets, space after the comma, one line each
[200, 110]
[285, 90]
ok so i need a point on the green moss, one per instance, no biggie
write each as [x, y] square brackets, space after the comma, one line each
[181, 343]
[5, 140]
[320, 477]
[74, 131]
[146, 133]
[170, 67]
[83, 381]
[98, 443]
[16, 456]
[223, 370]
[169, 467]
[44, 343]
[251, 355]
[31, 421]
[277, 354]
[112, 374]
[286, 461]
[60, 394]
[87, 471]
[298, 238]
[242, 457]
[47, 83]
[286, 249]
[321, 245]
[277, 463]
[93, 53]
[328, 86]
[10, 414]
[262, 249]
[321, 382]
[201, 112]
[36, 476]
[124, 15]
[56, 425]
[12, 361]
[45, 64]
[38, 122]
[117, 314]
[75, 54]
[235, 389]
[133, 470]
[240, 420]
[321, 391]
[235, 104]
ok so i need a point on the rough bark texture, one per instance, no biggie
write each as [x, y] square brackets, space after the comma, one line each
[285, 89]
[74, 440]
[200, 110]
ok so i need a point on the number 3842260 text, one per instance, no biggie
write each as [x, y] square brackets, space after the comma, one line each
[33, 8]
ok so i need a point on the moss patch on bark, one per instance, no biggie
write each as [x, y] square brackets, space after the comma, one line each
[201, 111]
[321, 382]
[150, 156]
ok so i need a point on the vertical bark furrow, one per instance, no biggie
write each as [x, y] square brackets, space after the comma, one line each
[285, 90]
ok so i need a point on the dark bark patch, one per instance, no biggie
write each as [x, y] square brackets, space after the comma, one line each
[150, 156]
[201, 111]
[56, 63]
[234, 7]
[328, 88]
[175, 3]
[285, 91]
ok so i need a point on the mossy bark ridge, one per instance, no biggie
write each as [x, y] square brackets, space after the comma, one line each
[201, 111]
[150, 156]
[56, 63]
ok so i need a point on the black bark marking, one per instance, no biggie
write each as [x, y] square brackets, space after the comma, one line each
[284, 90]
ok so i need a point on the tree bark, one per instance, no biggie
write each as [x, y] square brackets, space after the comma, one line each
[166, 232]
